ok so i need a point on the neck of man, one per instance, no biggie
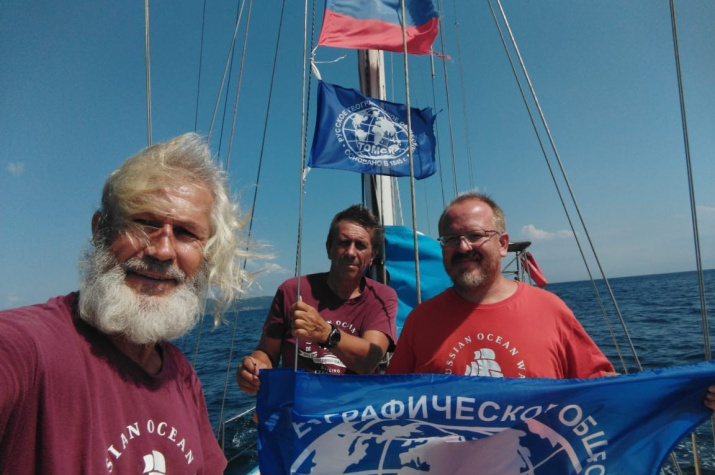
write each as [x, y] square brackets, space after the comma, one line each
[147, 356]
[345, 288]
[489, 292]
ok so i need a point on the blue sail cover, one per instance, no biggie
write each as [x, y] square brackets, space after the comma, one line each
[446, 424]
[400, 263]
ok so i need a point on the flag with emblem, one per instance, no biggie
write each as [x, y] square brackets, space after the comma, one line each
[435, 423]
[367, 135]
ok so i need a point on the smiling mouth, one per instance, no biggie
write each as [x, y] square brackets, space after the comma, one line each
[154, 277]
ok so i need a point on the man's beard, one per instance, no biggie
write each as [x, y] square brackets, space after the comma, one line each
[109, 305]
[473, 278]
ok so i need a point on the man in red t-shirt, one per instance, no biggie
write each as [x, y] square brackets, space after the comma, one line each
[344, 322]
[89, 382]
[486, 324]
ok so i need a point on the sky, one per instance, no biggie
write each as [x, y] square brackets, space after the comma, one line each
[73, 106]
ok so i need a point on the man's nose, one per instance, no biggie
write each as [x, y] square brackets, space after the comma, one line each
[464, 245]
[162, 245]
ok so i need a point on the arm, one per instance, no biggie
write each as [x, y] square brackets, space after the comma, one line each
[359, 354]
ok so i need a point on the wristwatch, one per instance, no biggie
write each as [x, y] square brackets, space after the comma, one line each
[333, 339]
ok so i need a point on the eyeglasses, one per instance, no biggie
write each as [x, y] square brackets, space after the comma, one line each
[472, 237]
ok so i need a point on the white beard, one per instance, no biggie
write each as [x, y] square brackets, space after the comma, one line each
[108, 304]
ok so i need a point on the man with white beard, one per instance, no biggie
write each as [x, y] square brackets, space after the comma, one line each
[89, 382]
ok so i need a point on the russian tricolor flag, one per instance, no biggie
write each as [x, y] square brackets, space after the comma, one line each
[377, 24]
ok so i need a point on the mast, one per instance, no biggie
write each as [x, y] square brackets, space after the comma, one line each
[377, 188]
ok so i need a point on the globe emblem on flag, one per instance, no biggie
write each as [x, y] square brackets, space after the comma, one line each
[412, 447]
[372, 133]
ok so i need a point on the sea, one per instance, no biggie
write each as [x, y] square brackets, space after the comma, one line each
[661, 314]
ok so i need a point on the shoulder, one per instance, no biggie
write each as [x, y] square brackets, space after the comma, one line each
[47, 319]
[447, 298]
[537, 294]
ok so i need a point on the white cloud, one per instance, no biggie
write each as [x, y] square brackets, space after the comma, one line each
[273, 268]
[15, 168]
[705, 209]
[535, 234]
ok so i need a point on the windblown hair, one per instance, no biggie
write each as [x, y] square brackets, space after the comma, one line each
[364, 218]
[499, 218]
[136, 186]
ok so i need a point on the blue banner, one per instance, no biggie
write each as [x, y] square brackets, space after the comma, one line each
[400, 264]
[443, 424]
[366, 135]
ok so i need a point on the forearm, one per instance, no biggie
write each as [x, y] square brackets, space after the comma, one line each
[262, 356]
[361, 354]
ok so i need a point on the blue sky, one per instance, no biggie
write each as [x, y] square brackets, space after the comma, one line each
[72, 108]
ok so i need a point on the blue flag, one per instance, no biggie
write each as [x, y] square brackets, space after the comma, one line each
[446, 424]
[366, 135]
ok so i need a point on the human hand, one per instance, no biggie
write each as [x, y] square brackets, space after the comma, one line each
[308, 324]
[710, 398]
[247, 375]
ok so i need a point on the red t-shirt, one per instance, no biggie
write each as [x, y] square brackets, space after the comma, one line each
[374, 309]
[71, 403]
[531, 334]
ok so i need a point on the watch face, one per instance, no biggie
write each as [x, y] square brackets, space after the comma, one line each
[334, 338]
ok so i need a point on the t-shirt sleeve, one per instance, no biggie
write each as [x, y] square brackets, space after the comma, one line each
[402, 361]
[275, 324]
[584, 359]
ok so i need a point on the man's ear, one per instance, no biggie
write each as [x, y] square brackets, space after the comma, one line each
[504, 244]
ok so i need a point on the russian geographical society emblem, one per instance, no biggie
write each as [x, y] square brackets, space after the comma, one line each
[371, 135]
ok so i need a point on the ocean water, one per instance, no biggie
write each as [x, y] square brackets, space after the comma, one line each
[662, 314]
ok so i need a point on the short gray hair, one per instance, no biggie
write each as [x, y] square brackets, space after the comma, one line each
[499, 218]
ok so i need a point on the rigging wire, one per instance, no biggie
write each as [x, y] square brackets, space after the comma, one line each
[238, 85]
[226, 68]
[449, 107]
[568, 186]
[418, 290]
[439, 155]
[147, 63]
[201, 60]
[693, 207]
[558, 189]
[227, 379]
[305, 101]
[239, 14]
[464, 97]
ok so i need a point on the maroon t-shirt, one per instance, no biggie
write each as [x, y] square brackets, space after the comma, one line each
[70, 402]
[374, 309]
